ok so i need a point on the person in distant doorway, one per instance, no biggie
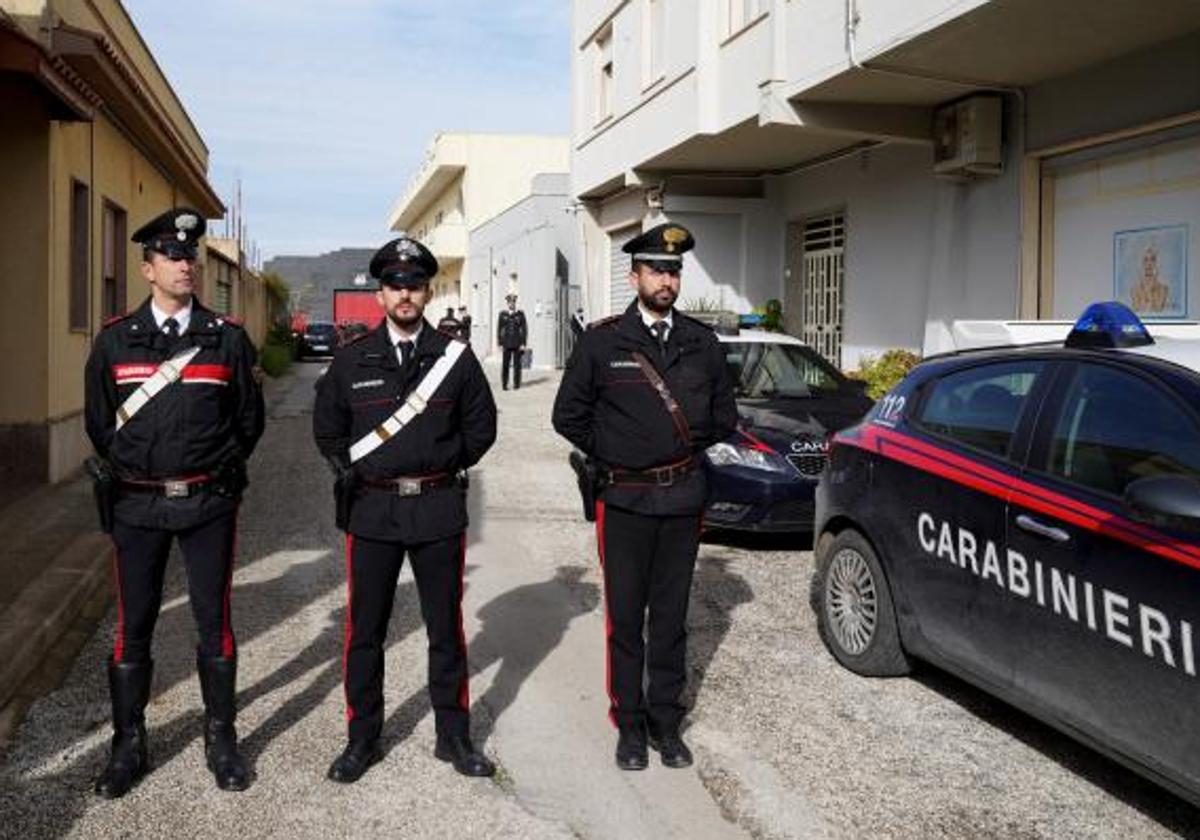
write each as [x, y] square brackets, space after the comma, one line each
[465, 320]
[511, 334]
[578, 325]
[450, 324]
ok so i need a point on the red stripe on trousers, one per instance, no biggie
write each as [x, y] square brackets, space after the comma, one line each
[349, 622]
[464, 688]
[608, 630]
[119, 642]
[227, 644]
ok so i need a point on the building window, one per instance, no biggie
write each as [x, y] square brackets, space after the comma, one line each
[80, 279]
[736, 15]
[223, 293]
[653, 42]
[604, 74]
[112, 260]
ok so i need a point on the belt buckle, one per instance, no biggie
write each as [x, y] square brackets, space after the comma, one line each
[176, 489]
[408, 486]
[664, 476]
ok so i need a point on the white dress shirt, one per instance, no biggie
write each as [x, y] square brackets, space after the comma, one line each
[182, 317]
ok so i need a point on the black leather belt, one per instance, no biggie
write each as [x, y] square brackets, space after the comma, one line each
[410, 485]
[169, 488]
[663, 476]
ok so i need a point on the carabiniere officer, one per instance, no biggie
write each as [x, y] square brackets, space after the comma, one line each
[644, 393]
[400, 414]
[173, 410]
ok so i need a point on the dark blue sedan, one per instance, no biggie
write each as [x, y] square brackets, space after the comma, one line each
[790, 401]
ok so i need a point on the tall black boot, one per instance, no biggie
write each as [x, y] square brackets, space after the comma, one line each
[218, 684]
[129, 688]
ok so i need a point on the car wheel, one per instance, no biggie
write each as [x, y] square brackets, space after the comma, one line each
[855, 614]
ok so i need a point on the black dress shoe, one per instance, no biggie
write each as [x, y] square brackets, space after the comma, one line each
[672, 750]
[631, 748]
[348, 767]
[458, 750]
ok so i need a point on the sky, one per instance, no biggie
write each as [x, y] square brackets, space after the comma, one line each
[324, 110]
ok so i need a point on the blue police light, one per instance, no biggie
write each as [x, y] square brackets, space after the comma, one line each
[1108, 324]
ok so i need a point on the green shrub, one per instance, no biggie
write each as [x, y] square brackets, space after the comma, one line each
[881, 374]
[275, 358]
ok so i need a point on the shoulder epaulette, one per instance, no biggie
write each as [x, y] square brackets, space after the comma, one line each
[354, 339]
[115, 319]
[611, 320]
[230, 319]
[449, 335]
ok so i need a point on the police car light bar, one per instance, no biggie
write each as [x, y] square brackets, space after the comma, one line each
[1107, 325]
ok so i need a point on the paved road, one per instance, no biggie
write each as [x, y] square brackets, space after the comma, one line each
[788, 744]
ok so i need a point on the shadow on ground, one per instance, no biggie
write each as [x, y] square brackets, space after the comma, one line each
[1155, 802]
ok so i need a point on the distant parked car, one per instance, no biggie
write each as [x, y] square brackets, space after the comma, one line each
[318, 339]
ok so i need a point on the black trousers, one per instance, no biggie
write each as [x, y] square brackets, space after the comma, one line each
[648, 564]
[141, 562]
[511, 357]
[372, 569]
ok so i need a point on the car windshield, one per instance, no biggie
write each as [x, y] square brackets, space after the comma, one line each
[770, 371]
[321, 329]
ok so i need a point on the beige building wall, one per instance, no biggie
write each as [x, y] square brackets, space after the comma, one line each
[465, 181]
[24, 256]
[97, 112]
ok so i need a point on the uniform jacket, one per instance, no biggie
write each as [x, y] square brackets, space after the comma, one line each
[364, 386]
[213, 412]
[607, 407]
[511, 330]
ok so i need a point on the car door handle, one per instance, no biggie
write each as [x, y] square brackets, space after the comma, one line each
[1028, 523]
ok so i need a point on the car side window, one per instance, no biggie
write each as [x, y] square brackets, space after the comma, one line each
[1115, 428]
[980, 406]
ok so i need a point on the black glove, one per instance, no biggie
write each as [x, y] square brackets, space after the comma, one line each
[230, 477]
[104, 490]
[344, 480]
[588, 479]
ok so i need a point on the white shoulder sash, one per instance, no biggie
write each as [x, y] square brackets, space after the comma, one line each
[168, 372]
[414, 405]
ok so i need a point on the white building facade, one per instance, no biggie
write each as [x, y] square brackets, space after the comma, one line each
[886, 168]
[528, 250]
[465, 181]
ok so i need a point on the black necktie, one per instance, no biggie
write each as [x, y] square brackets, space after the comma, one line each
[660, 332]
[171, 328]
[406, 350]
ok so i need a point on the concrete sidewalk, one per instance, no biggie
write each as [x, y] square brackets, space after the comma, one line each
[56, 571]
[55, 588]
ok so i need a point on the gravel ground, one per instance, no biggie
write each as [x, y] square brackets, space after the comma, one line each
[789, 745]
[793, 745]
[288, 603]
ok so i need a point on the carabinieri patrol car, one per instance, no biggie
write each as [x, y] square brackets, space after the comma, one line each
[1029, 519]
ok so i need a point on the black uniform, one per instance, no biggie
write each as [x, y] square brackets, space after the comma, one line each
[364, 386]
[177, 469]
[204, 425]
[648, 519]
[512, 333]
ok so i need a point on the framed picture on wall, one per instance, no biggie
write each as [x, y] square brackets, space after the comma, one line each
[1150, 270]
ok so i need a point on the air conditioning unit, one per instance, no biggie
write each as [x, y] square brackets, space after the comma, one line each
[967, 138]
